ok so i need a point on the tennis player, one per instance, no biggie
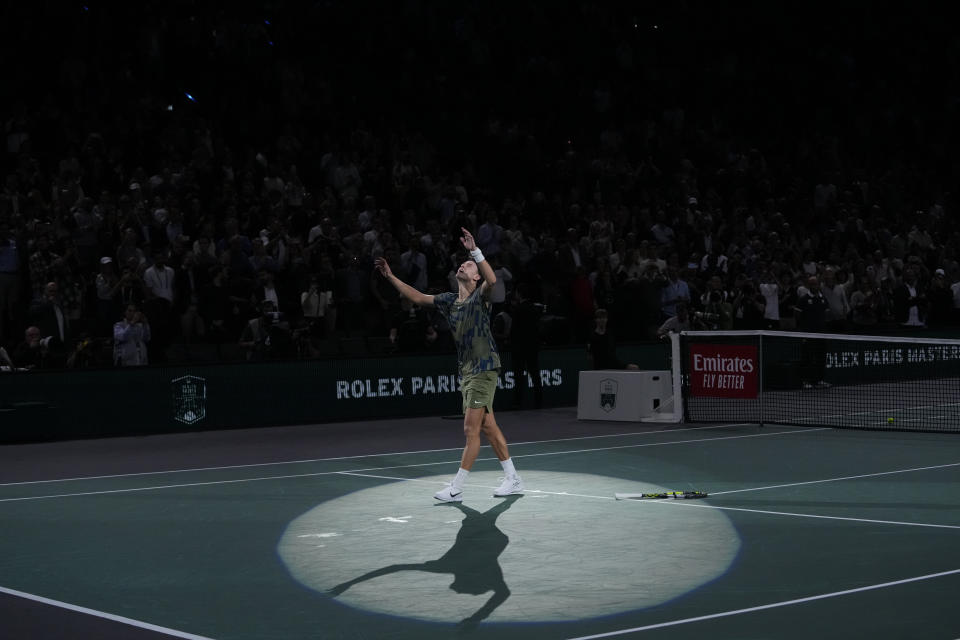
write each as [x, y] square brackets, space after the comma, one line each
[468, 312]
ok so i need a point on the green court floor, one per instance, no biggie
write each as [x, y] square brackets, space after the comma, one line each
[806, 533]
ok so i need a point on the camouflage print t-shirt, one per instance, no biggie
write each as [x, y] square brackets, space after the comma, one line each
[470, 324]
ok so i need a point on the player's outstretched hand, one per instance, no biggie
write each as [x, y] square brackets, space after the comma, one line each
[467, 239]
[382, 267]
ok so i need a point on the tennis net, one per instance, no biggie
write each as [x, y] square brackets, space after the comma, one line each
[846, 381]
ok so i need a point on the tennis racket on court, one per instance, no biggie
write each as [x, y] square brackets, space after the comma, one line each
[663, 495]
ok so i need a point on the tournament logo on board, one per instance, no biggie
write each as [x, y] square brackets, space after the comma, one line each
[608, 394]
[723, 371]
[189, 399]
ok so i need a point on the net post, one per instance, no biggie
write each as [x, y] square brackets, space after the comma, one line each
[760, 375]
[677, 368]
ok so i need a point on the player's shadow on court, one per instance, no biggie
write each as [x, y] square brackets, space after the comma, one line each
[473, 560]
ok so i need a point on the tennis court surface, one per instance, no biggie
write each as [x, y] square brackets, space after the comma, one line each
[330, 531]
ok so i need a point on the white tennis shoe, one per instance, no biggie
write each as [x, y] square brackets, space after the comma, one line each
[449, 494]
[509, 486]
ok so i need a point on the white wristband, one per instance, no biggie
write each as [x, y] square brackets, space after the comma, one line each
[477, 255]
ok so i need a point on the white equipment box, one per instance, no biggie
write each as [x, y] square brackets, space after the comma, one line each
[624, 395]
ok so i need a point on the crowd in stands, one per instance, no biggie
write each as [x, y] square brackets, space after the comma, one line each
[209, 184]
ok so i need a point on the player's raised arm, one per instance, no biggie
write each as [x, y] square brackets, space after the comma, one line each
[408, 292]
[489, 277]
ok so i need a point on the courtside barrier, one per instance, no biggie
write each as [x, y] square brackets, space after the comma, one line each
[85, 403]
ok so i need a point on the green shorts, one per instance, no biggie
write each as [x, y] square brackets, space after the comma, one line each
[478, 390]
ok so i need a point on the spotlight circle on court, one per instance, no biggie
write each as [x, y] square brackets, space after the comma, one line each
[565, 550]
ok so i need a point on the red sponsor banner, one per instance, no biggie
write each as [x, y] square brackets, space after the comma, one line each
[723, 371]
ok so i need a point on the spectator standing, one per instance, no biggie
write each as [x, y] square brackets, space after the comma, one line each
[813, 309]
[490, 235]
[770, 291]
[130, 289]
[130, 338]
[385, 296]
[662, 232]
[835, 294]
[955, 292]
[188, 285]
[498, 292]
[314, 303]
[676, 290]
[327, 279]
[159, 283]
[910, 300]
[10, 280]
[748, 306]
[940, 298]
[886, 303]
[413, 265]
[649, 293]
[351, 294]
[50, 316]
[583, 305]
[864, 302]
[569, 255]
[44, 266]
[601, 348]
[107, 284]
[266, 289]
[219, 311]
[525, 346]
[812, 306]
[261, 260]
[129, 251]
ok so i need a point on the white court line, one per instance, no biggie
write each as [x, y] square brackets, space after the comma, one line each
[863, 475]
[477, 486]
[683, 503]
[369, 455]
[772, 605]
[401, 466]
[103, 614]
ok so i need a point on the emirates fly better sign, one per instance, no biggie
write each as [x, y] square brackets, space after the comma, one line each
[723, 371]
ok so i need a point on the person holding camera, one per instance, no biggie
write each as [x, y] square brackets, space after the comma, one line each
[411, 330]
[130, 338]
[314, 303]
[32, 352]
[677, 323]
[258, 337]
